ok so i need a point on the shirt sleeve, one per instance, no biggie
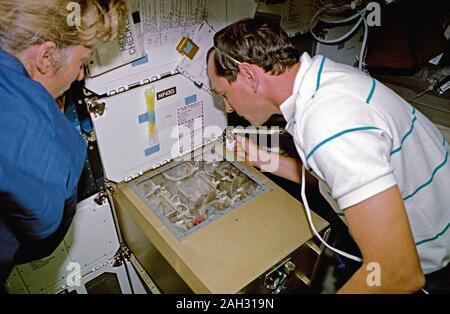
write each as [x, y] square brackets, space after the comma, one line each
[355, 165]
[350, 150]
[38, 206]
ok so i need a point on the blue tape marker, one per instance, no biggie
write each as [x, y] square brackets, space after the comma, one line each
[152, 150]
[191, 99]
[140, 61]
[147, 117]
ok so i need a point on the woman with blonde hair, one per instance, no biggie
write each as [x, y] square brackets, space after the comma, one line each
[43, 45]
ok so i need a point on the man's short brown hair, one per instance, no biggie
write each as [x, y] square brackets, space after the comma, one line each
[255, 41]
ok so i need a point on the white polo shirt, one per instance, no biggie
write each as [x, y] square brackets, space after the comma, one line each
[360, 138]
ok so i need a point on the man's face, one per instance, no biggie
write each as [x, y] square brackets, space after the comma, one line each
[238, 96]
[71, 70]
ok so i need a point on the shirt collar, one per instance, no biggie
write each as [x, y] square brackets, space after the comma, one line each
[9, 61]
[288, 106]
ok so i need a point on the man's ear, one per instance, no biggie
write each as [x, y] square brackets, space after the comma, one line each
[44, 58]
[249, 75]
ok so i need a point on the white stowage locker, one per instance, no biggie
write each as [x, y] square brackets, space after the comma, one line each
[87, 261]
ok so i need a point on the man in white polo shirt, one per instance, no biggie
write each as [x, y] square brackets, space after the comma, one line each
[382, 165]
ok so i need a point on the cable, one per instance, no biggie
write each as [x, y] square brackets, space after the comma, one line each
[336, 40]
[313, 228]
[362, 19]
[430, 88]
[364, 43]
[348, 19]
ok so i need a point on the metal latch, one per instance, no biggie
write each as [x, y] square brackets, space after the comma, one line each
[101, 198]
[96, 107]
[277, 278]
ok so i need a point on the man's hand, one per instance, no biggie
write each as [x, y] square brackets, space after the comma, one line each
[286, 167]
[380, 227]
[248, 151]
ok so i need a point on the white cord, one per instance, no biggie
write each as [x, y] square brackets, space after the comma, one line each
[364, 43]
[333, 41]
[346, 35]
[313, 228]
[348, 19]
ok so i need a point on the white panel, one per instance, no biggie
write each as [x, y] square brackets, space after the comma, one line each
[164, 23]
[15, 284]
[106, 266]
[90, 239]
[161, 60]
[41, 274]
[346, 52]
[92, 235]
[122, 140]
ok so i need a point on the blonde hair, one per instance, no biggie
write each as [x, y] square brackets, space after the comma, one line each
[27, 23]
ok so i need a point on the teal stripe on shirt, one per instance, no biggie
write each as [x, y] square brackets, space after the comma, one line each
[432, 176]
[440, 234]
[413, 123]
[338, 135]
[319, 75]
[372, 91]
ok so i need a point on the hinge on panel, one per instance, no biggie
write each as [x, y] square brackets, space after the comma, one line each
[137, 175]
[162, 163]
[108, 189]
[118, 259]
[111, 187]
[125, 251]
[124, 89]
[146, 81]
[141, 173]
